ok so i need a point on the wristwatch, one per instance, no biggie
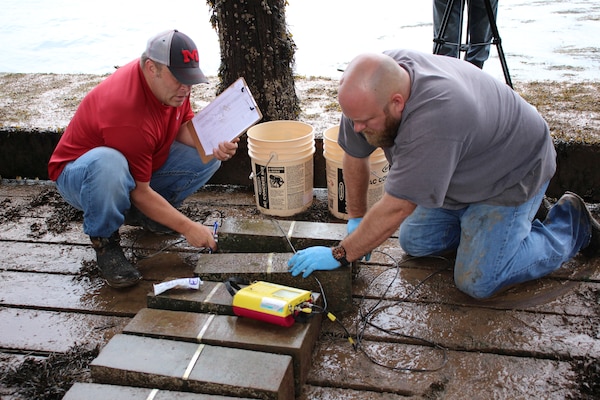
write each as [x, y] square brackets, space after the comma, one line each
[339, 253]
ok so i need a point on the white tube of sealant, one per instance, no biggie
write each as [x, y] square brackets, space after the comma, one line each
[181, 283]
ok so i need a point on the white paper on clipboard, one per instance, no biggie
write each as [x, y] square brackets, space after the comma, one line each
[226, 117]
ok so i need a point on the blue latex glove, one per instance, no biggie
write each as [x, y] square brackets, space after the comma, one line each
[352, 225]
[317, 258]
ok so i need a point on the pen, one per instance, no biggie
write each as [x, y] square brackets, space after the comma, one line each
[215, 226]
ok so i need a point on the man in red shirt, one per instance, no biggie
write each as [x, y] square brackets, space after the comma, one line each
[129, 152]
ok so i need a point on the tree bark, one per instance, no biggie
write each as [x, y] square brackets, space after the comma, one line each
[255, 44]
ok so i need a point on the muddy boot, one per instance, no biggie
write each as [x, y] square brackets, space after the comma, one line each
[114, 267]
[593, 247]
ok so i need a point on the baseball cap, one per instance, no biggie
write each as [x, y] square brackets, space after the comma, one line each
[178, 52]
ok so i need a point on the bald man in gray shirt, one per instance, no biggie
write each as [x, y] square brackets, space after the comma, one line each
[470, 161]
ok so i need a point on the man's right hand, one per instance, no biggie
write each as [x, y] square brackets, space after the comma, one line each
[199, 235]
[317, 258]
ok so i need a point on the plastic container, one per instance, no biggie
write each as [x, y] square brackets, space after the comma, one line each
[282, 158]
[336, 189]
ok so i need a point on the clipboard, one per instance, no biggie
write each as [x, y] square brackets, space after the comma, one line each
[227, 117]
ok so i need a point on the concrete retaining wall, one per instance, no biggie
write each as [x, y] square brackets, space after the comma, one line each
[26, 153]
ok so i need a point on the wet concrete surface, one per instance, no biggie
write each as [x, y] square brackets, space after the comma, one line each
[96, 391]
[418, 336]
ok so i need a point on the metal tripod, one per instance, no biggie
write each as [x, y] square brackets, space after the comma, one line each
[439, 39]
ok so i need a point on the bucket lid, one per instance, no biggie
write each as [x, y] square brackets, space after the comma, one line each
[280, 132]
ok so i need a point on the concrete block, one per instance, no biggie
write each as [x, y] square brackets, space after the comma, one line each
[238, 235]
[212, 297]
[191, 367]
[296, 341]
[272, 267]
[96, 391]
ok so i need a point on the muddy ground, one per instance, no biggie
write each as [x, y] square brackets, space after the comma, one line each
[48, 101]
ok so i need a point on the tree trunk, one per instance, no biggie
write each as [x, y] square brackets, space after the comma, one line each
[256, 45]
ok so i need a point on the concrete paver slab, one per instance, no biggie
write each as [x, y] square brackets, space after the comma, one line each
[296, 341]
[238, 235]
[466, 375]
[62, 292]
[272, 267]
[54, 331]
[95, 391]
[212, 297]
[183, 366]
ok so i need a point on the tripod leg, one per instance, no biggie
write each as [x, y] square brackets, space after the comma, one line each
[498, 42]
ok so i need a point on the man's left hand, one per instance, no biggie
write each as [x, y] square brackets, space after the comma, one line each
[226, 150]
[351, 227]
[312, 259]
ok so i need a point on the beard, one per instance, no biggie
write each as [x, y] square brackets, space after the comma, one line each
[387, 136]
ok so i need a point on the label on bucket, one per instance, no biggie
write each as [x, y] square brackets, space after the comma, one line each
[340, 199]
[336, 188]
[262, 188]
[284, 189]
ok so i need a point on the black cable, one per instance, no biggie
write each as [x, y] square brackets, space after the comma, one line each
[138, 257]
[163, 249]
[322, 294]
[284, 234]
[365, 319]
[324, 309]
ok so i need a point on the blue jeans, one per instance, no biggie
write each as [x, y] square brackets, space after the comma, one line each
[497, 246]
[99, 183]
[478, 29]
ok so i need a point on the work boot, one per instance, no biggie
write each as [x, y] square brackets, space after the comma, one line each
[542, 212]
[135, 217]
[592, 248]
[114, 267]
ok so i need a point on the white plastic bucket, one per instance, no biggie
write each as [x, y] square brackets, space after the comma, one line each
[282, 158]
[336, 189]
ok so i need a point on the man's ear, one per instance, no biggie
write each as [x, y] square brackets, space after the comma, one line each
[151, 67]
[398, 103]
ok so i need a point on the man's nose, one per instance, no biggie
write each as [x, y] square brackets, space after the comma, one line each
[358, 127]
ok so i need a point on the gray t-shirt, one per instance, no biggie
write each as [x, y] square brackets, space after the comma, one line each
[464, 138]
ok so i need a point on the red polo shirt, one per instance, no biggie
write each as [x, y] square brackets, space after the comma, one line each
[122, 113]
